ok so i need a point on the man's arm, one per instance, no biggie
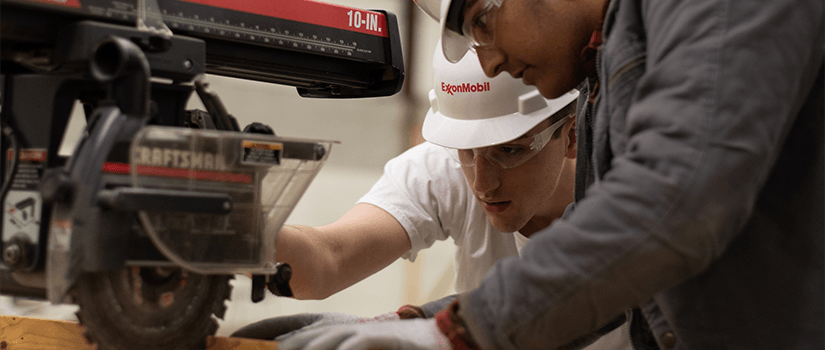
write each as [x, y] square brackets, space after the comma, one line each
[330, 258]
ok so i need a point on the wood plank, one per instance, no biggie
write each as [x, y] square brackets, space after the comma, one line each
[26, 333]
[226, 343]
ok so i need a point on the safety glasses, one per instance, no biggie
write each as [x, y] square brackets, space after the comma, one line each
[514, 153]
[479, 25]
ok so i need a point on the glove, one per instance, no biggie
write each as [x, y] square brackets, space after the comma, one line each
[413, 334]
[281, 328]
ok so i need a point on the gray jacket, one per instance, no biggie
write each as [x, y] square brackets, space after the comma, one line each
[702, 179]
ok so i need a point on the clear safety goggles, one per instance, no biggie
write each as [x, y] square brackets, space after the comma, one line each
[479, 25]
[514, 153]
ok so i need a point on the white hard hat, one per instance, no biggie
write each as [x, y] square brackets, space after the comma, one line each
[470, 110]
[455, 45]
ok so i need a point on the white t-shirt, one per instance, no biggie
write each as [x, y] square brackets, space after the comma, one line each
[425, 190]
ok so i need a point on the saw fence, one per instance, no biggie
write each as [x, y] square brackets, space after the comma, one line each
[25, 333]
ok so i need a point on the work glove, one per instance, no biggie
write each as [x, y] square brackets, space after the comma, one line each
[283, 327]
[412, 334]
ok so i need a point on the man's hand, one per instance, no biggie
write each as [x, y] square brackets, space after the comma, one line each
[281, 328]
[414, 334]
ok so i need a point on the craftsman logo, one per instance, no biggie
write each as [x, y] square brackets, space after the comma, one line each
[466, 87]
[175, 158]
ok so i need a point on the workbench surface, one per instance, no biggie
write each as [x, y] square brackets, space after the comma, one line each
[26, 333]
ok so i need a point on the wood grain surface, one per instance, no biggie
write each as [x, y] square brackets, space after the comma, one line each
[25, 333]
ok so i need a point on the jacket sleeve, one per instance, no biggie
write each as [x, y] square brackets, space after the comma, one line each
[721, 85]
[433, 307]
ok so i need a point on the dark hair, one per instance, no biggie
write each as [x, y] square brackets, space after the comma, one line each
[569, 110]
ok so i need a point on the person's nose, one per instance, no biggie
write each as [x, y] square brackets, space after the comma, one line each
[492, 60]
[486, 176]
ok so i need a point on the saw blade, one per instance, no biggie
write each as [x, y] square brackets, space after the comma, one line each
[150, 307]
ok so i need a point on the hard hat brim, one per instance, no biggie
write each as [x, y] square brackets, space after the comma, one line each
[477, 133]
[466, 134]
[453, 45]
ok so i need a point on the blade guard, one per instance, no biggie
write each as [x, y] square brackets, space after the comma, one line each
[264, 175]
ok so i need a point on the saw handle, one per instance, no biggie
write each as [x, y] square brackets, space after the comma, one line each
[279, 282]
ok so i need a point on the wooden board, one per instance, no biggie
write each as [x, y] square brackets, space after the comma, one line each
[25, 333]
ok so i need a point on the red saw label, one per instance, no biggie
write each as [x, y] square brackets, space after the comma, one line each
[69, 3]
[312, 12]
[29, 155]
[220, 176]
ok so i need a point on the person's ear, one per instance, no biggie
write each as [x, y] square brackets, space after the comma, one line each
[571, 137]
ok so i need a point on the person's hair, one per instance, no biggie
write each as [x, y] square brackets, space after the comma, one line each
[569, 110]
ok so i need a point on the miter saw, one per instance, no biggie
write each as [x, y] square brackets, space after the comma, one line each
[158, 206]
